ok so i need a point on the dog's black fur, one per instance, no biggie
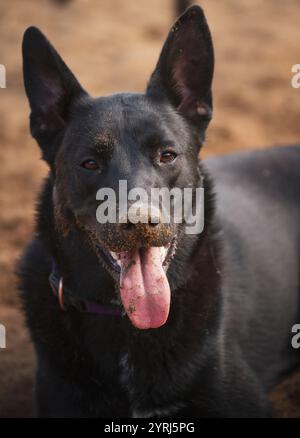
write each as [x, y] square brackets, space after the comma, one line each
[234, 288]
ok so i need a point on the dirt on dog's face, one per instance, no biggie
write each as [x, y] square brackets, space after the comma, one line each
[134, 139]
[149, 140]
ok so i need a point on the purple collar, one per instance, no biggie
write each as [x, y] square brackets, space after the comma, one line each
[66, 298]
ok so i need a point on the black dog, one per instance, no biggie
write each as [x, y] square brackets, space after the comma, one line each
[218, 306]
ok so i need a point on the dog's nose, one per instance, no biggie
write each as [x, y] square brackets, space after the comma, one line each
[143, 226]
[138, 226]
[141, 218]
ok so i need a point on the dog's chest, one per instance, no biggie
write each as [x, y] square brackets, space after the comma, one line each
[144, 403]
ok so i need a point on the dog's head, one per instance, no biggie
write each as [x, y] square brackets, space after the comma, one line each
[148, 140]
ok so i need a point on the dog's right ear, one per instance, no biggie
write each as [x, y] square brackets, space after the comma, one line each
[51, 89]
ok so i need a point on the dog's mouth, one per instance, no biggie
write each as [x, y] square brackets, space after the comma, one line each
[141, 277]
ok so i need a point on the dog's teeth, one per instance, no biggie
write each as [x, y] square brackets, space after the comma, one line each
[163, 253]
[114, 255]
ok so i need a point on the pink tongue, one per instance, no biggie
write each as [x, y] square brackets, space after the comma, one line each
[144, 288]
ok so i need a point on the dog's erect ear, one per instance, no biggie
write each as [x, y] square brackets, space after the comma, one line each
[51, 89]
[185, 68]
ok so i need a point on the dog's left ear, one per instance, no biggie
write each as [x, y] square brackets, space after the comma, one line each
[185, 67]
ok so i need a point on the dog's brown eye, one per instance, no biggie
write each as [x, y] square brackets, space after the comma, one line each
[90, 165]
[167, 156]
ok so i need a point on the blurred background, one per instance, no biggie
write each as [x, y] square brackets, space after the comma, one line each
[111, 46]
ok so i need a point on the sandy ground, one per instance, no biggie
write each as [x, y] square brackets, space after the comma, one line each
[112, 45]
